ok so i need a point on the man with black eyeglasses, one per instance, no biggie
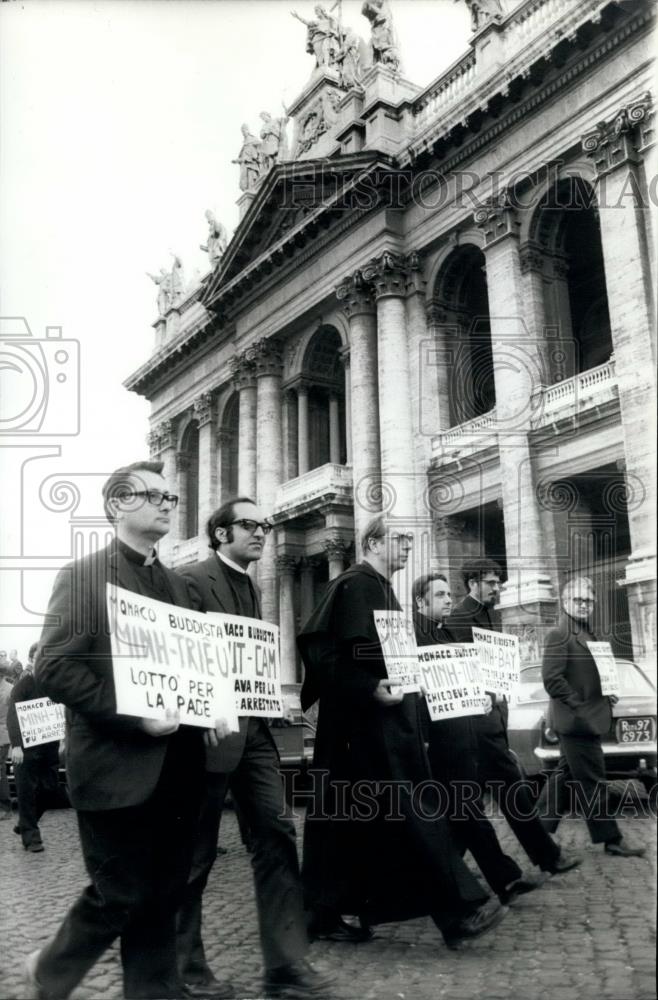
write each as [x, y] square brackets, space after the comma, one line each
[136, 783]
[580, 715]
[248, 763]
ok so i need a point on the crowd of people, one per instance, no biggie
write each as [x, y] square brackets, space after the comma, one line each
[149, 793]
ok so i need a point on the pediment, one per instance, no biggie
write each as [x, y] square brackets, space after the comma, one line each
[292, 197]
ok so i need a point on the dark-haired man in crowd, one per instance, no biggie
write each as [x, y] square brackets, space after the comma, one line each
[496, 764]
[453, 755]
[248, 763]
[371, 848]
[135, 783]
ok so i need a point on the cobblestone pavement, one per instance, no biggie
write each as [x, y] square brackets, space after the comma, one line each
[587, 934]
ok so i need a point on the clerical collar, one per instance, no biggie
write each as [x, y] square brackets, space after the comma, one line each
[229, 562]
[137, 557]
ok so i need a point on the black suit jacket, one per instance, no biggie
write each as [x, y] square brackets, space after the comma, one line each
[572, 680]
[111, 762]
[210, 591]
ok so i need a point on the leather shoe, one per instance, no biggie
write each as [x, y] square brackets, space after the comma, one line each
[297, 979]
[484, 919]
[35, 847]
[565, 861]
[341, 930]
[623, 850]
[519, 887]
[209, 989]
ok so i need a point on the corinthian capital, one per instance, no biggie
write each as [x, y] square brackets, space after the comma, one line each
[617, 140]
[267, 356]
[497, 218]
[388, 274]
[335, 548]
[203, 408]
[355, 295]
[243, 372]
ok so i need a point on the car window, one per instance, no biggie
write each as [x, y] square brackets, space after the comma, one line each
[632, 681]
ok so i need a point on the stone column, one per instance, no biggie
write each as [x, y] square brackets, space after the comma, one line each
[307, 589]
[388, 275]
[290, 434]
[267, 357]
[334, 429]
[345, 355]
[531, 261]
[208, 472]
[182, 460]
[162, 444]
[244, 380]
[356, 298]
[302, 430]
[528, 597]
[615, 148]
[336, 551]
[285, 567]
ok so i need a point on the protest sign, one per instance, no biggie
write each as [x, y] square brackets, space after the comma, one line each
[606, 666]
[41, 721]
[255, 666]
[398, 642]
[500, 660]
[451, 678]
[164, 657]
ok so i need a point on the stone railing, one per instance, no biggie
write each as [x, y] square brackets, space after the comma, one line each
[532, 18]
[479, 432]
[589, 388]
[313, 486]
[445, 90]
[188, 550]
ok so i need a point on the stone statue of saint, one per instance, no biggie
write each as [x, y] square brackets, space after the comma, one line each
[163, 281]
[216, 240]
[483, 11]
[350, 60]
[249, 160]
[383, 41]
[322, 36]
[177, 279]
[274, 143]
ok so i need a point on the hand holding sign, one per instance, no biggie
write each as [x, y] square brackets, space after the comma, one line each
[384, 695]
[162, 727]
[214, 737]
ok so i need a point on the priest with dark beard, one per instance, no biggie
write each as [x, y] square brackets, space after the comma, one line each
[375, 843]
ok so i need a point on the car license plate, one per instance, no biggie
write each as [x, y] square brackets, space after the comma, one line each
[636, 730]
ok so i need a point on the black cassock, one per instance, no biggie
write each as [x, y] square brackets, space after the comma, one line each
[355, 859]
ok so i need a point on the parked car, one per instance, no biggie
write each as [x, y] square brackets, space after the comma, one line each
[629, 747]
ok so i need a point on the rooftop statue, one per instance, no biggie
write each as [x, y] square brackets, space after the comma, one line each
[350, 59]
[483, 11]
[216, 240]
[170, 285]
[383, 40]
[249, 160]
[323, 36]
[274, 142]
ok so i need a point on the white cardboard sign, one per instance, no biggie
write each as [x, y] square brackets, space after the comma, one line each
[500, 659]
[606, 666]
[452, 681]
[165, 657]
[398, 641]
[41, 721]
[255, 671]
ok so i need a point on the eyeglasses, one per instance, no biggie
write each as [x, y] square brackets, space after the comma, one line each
[402, 538]
[583, 600]
[155, 497]
[252, 526]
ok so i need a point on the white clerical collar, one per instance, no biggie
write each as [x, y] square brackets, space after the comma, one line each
[229, 562]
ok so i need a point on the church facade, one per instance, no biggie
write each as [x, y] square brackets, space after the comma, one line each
[440, 306]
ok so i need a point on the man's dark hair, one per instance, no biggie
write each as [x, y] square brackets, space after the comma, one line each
[222, 518]
[122, 481]
[477, 568]
[375, 528]
[421, 584]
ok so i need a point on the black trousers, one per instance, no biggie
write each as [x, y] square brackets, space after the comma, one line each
[257, 788]
[579, 779]
[37, 789]
[138, 860]
[498, 768]
[454, 761]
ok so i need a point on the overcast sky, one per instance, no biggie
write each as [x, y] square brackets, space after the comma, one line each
[118, 122]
